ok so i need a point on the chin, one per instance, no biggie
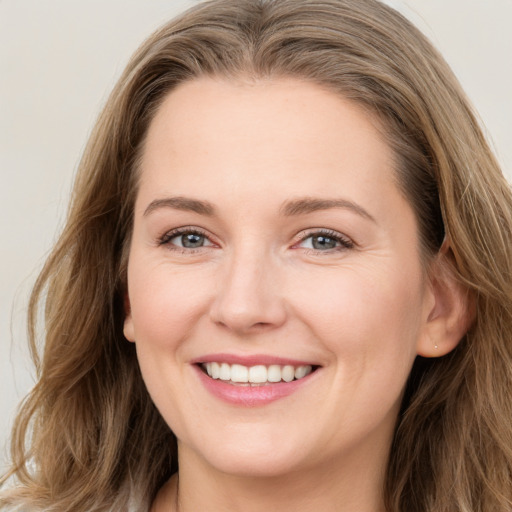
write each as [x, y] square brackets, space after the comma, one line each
[259, 467]
[251, 459]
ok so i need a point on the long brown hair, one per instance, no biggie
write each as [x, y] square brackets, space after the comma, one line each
[88, 437]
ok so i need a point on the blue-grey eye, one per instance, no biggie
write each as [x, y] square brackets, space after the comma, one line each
[192, 240]
[189, 240]
[325, 242]
[322, 242]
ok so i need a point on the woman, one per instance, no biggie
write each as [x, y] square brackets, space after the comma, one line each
[285, 280]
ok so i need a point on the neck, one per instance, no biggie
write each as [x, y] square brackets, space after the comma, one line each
[355, 485]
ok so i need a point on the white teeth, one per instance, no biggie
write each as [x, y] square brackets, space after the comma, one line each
[302, 371]
[225, 372]
[239, 373]
[288, 373]
[258, 374]
[274, 373]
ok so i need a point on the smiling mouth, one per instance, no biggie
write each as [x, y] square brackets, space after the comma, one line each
[258, 375]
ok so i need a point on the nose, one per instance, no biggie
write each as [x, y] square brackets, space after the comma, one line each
[249, 297]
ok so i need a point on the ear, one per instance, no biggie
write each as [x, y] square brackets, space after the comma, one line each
[452, 310]
[128, 330]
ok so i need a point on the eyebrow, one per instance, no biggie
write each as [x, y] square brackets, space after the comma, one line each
[181, 203]
[310, 204]
[290, 208]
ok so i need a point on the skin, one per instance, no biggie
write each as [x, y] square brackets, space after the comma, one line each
[361, 310]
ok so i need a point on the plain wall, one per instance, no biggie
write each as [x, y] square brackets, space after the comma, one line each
[58, 61]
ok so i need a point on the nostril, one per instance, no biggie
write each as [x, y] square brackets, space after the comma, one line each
[262, 325]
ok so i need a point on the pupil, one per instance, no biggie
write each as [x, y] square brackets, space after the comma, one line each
[323, 242]
[192, 240]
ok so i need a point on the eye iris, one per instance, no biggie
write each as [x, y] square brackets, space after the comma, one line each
[192, 240]
[323, 242]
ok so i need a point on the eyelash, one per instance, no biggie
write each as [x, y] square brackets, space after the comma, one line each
[344, 242]
[165, 239]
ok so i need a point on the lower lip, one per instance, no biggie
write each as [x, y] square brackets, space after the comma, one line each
[250, 396]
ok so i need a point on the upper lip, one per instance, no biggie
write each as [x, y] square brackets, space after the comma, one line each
[250, 360]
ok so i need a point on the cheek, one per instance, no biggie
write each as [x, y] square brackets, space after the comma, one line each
[369, 319]
[165, 306]
[165, 302]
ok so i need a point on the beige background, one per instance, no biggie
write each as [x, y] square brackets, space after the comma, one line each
[60, 58]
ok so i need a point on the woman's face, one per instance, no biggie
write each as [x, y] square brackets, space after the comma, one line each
[272, 242]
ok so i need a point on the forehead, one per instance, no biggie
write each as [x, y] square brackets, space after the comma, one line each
[277, 137]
